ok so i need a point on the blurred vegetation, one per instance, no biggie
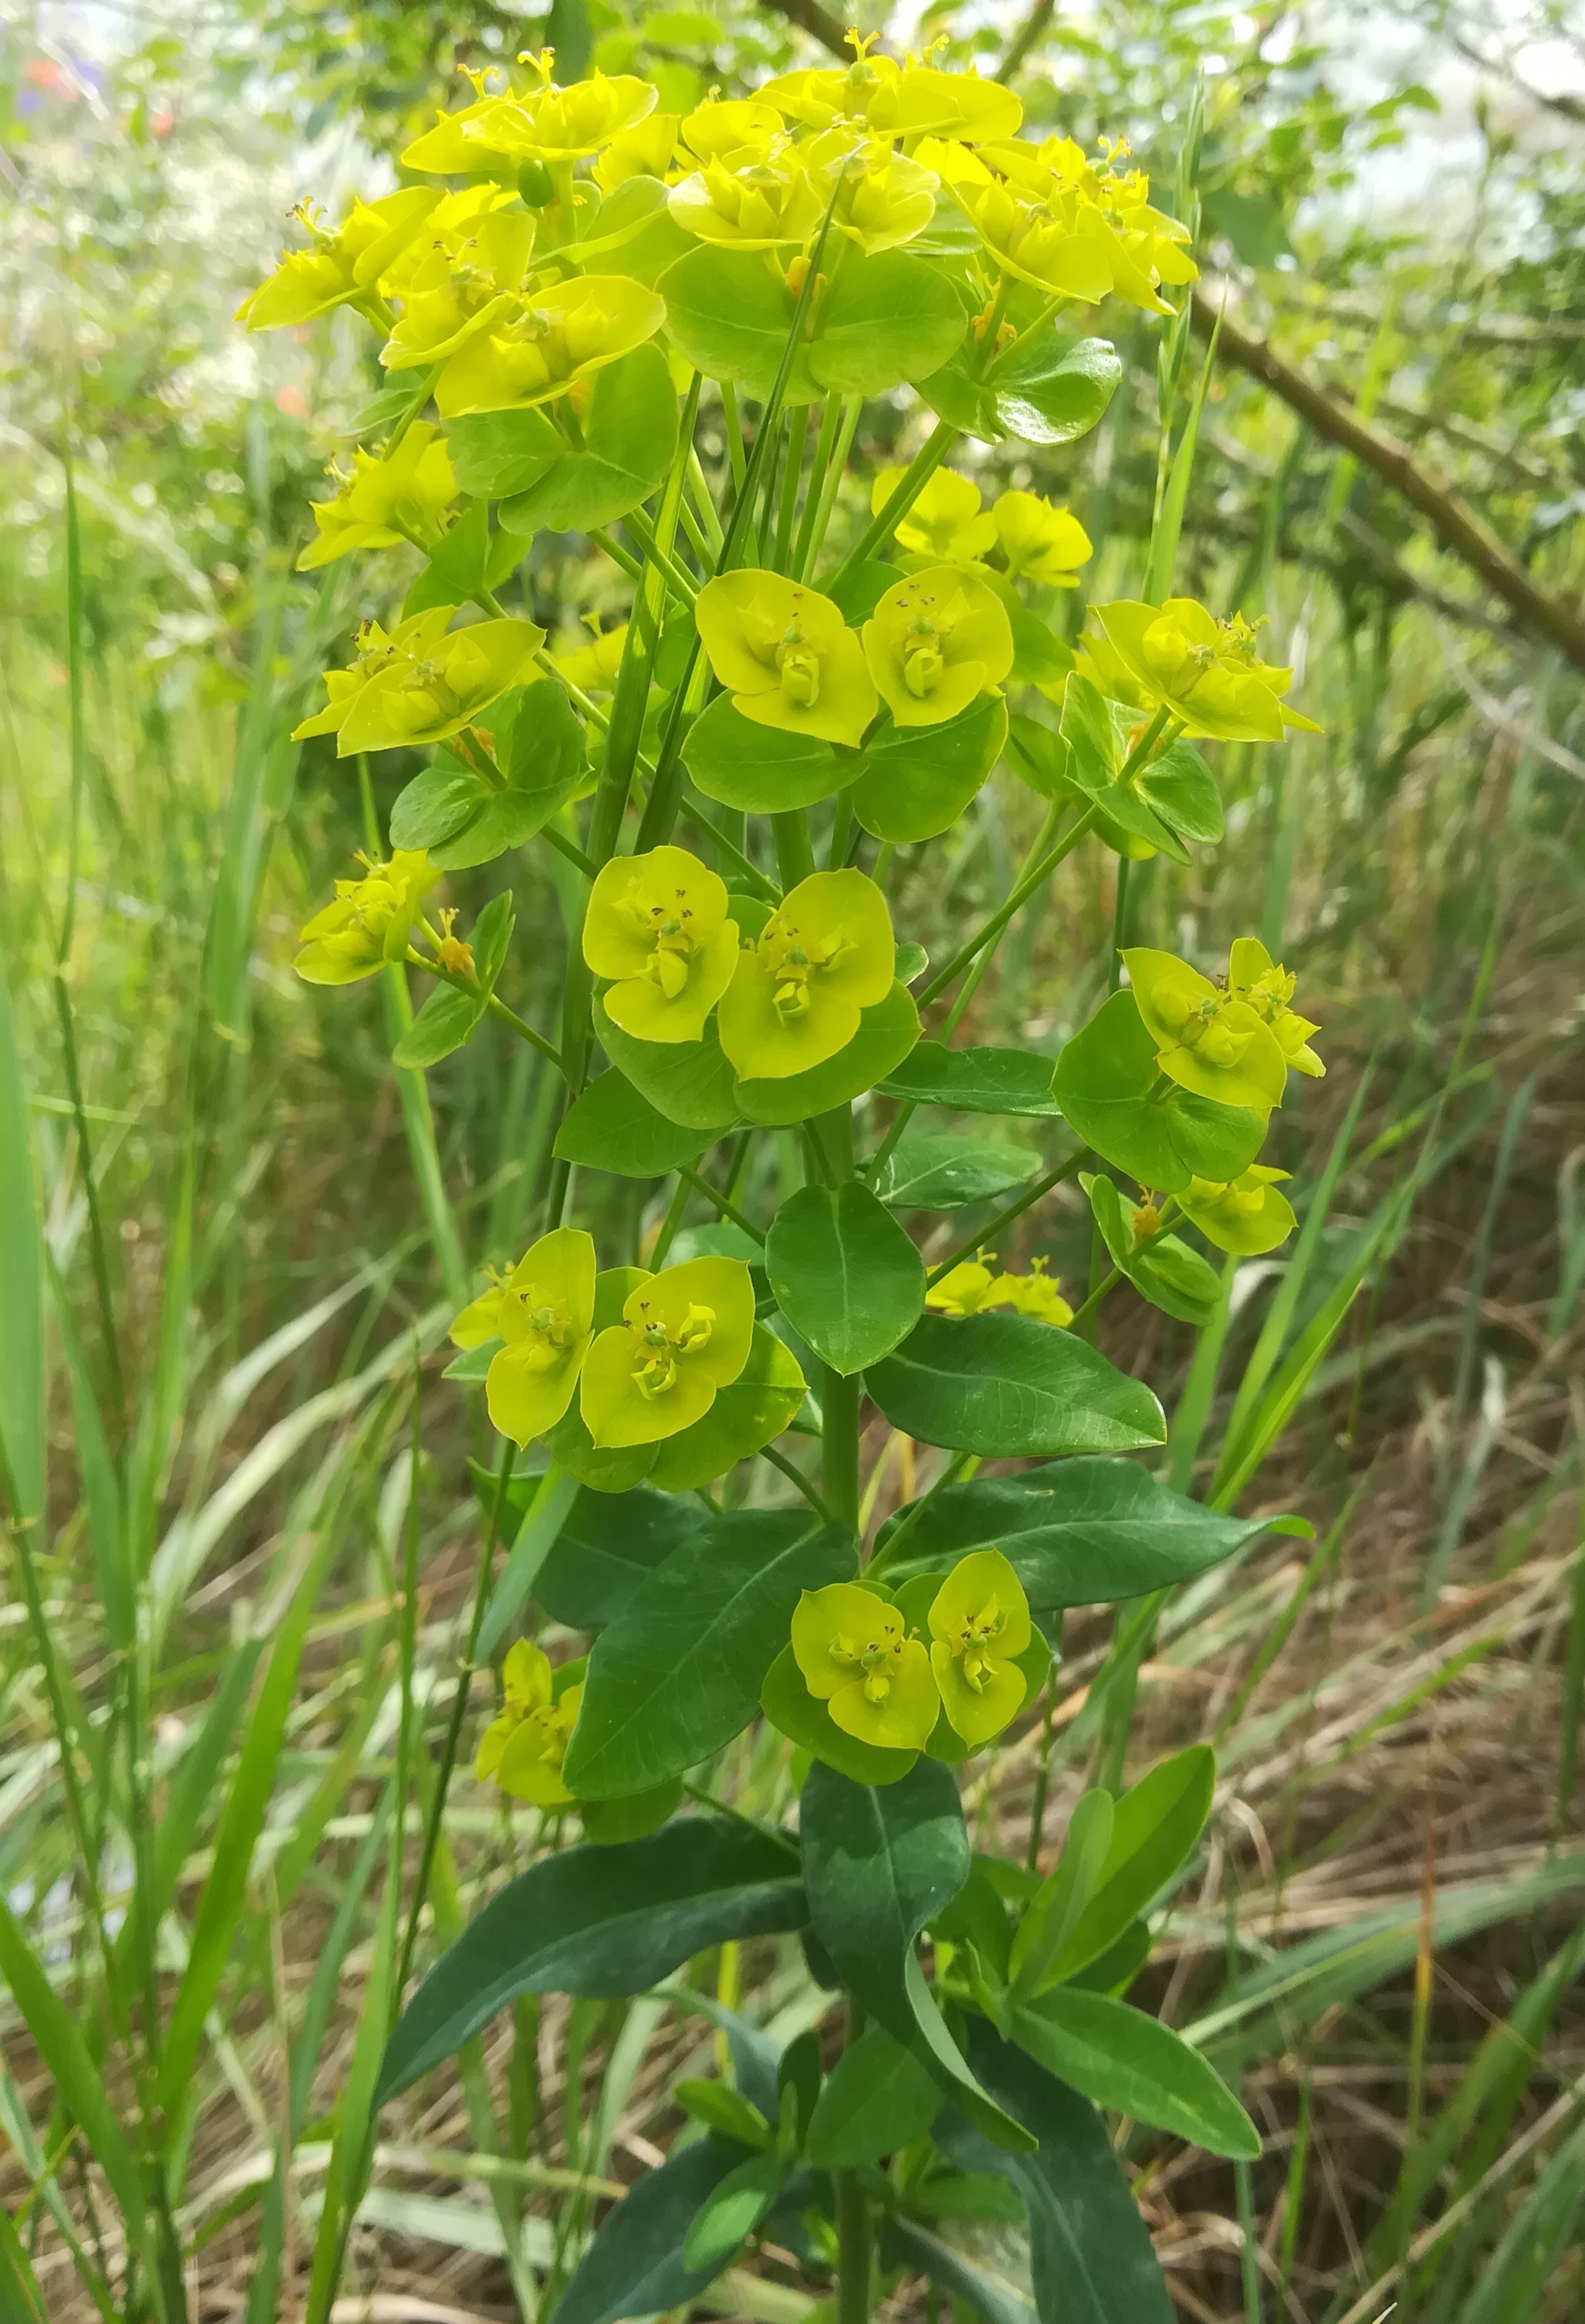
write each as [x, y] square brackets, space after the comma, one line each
[1383, 1935]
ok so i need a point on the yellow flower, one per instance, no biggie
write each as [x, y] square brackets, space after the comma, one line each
[543, 1314]
[645, 150]
[1203, 670]
[1268, 989]
[389, 497]
[683, 1334]
[935, 641]
[468, 280]
[967, 1288]
[522, 1749]
[855, 1658]
[945, 524]
[754, 199]
[908, 100]
[979, 1621]
[1245, 1216]
[1070, 226]
[538, 346]
[1207, 1041]
[593, 666]
[825, 955]
[740, 125]
[368, 922]
[1040, 543]
[345, 263]
[1035, 1294]
[420, 685]
[883, 198]
[786, 655]
[658, 925]
[547, 123]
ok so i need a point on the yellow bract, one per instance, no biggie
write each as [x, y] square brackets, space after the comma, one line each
[593, 666]
[368, 923]
[683, 1334]
[786, 655]
[857, 1659]
[979, 1621]
[1040, 543]
[1203, 670]
[645, 150]
[658, 925]
[537, 348]
[389, 497]
[757, 198]
[945, 524]
[468, 277]
[827, 954]
[883, 198]
[419, 684]
[738, 126]
[543, 1314]
[1252, 976]
[1245, 1216]
[935, 641]
[547, 123]
[973, 1287]
[912, 100]
[522, 1749]
[1081, 229]
[345, 263]
[1207, 1041]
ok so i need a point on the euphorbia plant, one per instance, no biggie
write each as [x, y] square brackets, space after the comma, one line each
[686, 1432]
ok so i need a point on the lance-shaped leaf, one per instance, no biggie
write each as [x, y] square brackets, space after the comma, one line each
[635, 2266]
[1118, 2057]
[601, 1921]
[1007, 1386]
[974, 1081]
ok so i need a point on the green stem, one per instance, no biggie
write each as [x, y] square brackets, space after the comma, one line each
[831, 478]
[680, 583]
[1004, 1219]
[722, 1203]
[791, 477]
[910, 485]
[1015, 902]
[854, 2228]
[780, 1461]
[733, 427]
[795, 852]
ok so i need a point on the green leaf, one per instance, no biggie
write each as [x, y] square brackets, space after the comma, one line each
[760, 769]
[857, 594]
[602, 1922]
[721, 2108]
[1105, 1083]
[944, 1172]
[463, 561]
[572, 1448]
[966, 2195]
[974, 1081]
[1153, 1828]
[607, 1546]
[21, 1341]
[613, 1127]
[1054, 1912]
[1172, 798]
[460, 817]
[876, 2098]
[756, 1407]
[731, 2211]
[1007, 1387]
[1118, 2057]
[1173, 1277]
[794, 1712]
[609, 1821]
[1252, 223]
[904, 2244]
[636, 234]
[1077, 1533]
[845, 1275]
[630, 436]
[1115, 1970]
[886, 318]
[1090, 2252]
[689, 1082]
[678, 1673]
[885, 1035]
[728, 312]
[1051, 389]
[635, 2266]
[879, 1865]
[914, 782]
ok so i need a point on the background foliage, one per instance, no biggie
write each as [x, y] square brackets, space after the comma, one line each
[1380, 1933]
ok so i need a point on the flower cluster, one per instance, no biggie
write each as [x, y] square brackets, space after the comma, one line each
[977, 1284]
[525, 1744]
[862, 1654]
[423, 681]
